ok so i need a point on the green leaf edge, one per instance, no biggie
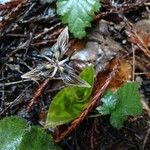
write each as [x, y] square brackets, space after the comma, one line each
[55, 124]
[122, 117]
[78, 34]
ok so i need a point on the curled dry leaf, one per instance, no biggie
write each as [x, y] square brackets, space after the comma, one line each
[123, 74]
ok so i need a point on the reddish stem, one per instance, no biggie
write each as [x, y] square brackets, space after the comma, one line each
[37, 94]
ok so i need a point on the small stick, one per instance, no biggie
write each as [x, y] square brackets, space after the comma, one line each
[37, 94]
[47, 31]
[12, 83]
[15, 101]
[133, 61]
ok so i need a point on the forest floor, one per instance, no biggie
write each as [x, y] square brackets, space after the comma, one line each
[29, 27]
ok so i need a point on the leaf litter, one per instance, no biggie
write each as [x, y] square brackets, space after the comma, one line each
[29, 29]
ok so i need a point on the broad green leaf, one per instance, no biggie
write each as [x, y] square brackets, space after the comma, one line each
[77, 14]
[70, 101]
[12, 130]
[38, 139]
[16, 134]
[122, 104]
[109, 103]
[117, 120]
[129, 104]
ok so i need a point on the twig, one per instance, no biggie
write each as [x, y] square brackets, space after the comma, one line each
[10, 5]
[47, 31]
[146, 107]
[122, 8]
[43, 43]
[37, 94]
[146, 138]
[12, 15]
[24, 46]
[12, 83]
[3, 93]
[133, 63]
[142, 73]
[16, 100]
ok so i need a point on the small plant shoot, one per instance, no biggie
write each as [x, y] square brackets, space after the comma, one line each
[122, 104]
[77, 14]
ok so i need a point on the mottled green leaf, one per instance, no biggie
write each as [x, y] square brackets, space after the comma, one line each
[122, 104]
[12, 130]
[129, 104]
[16, 134]
[78, 14]
[109, 103]
[70, 101]
[38, 139]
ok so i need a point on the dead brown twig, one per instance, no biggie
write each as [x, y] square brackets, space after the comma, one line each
[10, 5]
[14, 13]
[122, 8]
[37, 94]
[142, 43]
